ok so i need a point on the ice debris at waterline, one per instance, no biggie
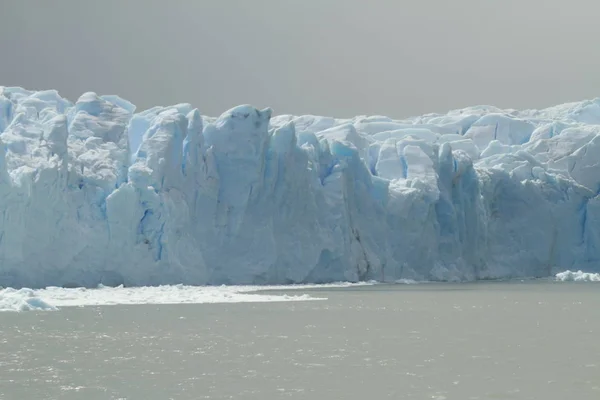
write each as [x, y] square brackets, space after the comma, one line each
[93, 192]
[53, 298]
[22, 300]
[577, 276]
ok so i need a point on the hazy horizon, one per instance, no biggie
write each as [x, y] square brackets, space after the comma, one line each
[322, 57]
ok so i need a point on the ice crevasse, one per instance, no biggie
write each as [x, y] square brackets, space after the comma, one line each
[92, 192]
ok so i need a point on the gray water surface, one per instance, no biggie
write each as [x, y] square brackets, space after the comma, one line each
[511, 340]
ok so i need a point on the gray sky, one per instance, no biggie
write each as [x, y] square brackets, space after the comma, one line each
[326, 57]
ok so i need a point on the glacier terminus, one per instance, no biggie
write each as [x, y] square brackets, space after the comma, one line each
[93, 192]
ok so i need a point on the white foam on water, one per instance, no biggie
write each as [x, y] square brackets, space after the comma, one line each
[52, 298]
[577, 276]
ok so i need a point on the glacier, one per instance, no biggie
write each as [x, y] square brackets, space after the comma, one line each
[94, 192]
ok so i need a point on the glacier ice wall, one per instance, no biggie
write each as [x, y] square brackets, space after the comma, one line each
[93, 192]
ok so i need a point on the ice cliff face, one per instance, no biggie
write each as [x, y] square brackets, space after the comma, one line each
[94, 193]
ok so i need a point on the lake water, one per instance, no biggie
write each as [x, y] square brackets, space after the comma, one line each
[534, 340]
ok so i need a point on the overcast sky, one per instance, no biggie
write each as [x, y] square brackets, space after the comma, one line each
[326, 57]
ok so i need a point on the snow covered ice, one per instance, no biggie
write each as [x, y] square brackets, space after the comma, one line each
[95, 193]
